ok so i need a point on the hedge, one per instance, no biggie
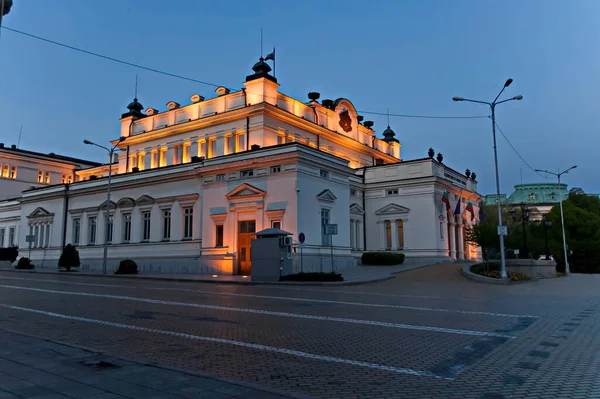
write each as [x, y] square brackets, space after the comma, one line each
[382, 258]
[24, 263]
[10, 254]
[313, 276]
[127, 266]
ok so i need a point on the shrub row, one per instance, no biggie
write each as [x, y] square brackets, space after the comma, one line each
[382, 258]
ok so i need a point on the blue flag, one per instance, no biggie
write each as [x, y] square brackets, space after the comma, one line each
[457, 210]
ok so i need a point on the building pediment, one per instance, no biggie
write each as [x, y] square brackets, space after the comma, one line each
[39, 212]
[144, 200]
[326, 195]
[392, 209]
[126, 202]
[357, 209]
[245, 191]
[112, 205]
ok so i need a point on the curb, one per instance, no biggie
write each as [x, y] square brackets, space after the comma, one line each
[466, 271]
[194, 373]
[216, 281]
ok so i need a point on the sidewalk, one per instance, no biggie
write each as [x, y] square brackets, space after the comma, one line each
[352, 276]
[36, 368]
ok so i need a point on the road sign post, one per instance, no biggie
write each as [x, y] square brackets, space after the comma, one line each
[301, 238]
[331, 230]
[30, 238]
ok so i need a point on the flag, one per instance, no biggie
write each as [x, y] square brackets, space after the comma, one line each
[470, 209]
[446, 200]
[271, 56]
[457, 209]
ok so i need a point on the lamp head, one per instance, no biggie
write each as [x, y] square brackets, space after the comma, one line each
[122, 138]
[87, 142]
[458, 99]
[519, 97]
[508, 82]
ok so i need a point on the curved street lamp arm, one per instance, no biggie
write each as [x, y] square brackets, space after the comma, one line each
[503, 101]
[477, 101]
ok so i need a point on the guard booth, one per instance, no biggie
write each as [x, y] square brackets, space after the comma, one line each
[271, 255]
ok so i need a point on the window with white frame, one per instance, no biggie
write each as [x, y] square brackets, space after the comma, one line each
[220, 177]
[325, 218]
[276, 224]
[11, 236]
[109, 229]
[47, 243]
[126, 227]
[392, 191]
[2, 234]
[324, 174]
[166, 225]
[188, 223]
[146, 226]
[41, 240]
[276, 169]
[92, 230]
[247, 173]
[76, 231]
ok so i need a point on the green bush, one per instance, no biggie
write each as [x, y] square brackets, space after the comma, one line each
[313, 276]
[127, 266]
[24, 263]
[69, 258]
[382, 258]
[10, 254]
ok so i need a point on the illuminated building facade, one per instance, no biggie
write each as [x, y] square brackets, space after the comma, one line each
[194, 183]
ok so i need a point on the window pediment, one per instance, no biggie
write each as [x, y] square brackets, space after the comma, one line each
[39, 212]
[392, 209]
[245, 191]
[357, 209]
[126, 202]
[326, 195]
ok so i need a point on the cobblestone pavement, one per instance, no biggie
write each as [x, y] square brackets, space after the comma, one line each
[429, 333]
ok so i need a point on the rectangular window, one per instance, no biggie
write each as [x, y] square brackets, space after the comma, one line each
[400, 230]
[203, 149]
[163, 157]
[140, 162]
[186, 153]
[47, 236]
[109, 230]
[76, 231]
[324, 173]
[66, 179]
[2, 234]
[41, 240]
[212, 148]
[325, 214]
[392, 191]
[146, 226]
[388, 234]
[40, 176]
[126, 227]
[13, 172]
[92, 230]
[241, 139]
[166, 231]
[177, 155]
[47, 178]
[155, 160]
[276, 169]
[247, 173]
[276, 224]
[188, 219]
[219, 235]
[11, 236]
[231, 144]
[221, 177]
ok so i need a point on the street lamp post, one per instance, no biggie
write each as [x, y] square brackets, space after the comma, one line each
[111, 153]
[492, 106]
[562, 218]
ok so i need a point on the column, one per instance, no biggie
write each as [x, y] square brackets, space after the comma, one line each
[220, 150]
[100, 228]
[352, 235]
[451, 239]
[136, 225]
[358, 235]
[394, 227]
[461, 244]
[117, 227]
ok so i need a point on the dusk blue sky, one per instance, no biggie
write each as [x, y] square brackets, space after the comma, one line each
[408, 56]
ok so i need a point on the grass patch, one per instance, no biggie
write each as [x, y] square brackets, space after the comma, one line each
[492, 270]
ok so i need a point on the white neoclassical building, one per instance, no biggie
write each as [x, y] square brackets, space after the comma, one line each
[193, 184]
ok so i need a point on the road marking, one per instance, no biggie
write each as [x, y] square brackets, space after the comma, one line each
[267, 348]
[375, 305]
[66, 282]
[270, 313]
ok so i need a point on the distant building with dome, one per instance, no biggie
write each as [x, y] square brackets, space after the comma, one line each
[539, 196]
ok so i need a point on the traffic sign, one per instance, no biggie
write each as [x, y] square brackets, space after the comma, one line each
[301, 238]
[331, 229]
[502, 231]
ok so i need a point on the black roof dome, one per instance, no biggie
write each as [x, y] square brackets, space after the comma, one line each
[388, 135]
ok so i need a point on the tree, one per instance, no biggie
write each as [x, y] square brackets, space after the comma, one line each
[69, 258]
[485, 232]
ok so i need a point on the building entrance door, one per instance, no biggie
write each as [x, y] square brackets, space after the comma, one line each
[246, 230]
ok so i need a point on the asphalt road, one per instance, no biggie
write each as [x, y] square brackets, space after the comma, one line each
[426, 334]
